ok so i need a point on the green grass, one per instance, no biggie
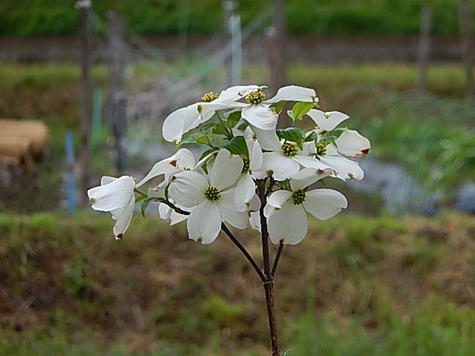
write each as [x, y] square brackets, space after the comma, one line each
[355, 286]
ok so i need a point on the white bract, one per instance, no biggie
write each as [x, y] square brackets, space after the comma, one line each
[211, 196]
[247, 161]
[286, 209]
[115, 195]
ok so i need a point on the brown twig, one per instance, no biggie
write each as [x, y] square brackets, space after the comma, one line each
[244, 251]
[277, 258]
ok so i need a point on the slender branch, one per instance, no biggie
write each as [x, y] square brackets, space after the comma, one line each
[244, 251]
[174, 207]
[277, 258]
[271, 185]
[261, 189]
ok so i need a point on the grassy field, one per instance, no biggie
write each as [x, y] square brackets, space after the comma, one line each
[356, 286]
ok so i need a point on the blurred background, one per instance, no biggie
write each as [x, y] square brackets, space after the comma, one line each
[84, 88]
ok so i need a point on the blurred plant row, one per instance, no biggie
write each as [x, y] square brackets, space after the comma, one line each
[44, 17]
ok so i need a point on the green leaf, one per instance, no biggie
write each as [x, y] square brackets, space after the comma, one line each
[311, 137]
[193, 137]
[278, 106]
[219, 129]
[242, 124]
[293, 134]
[300, 110]
[237, 146]
[207, 152]
[234, 118]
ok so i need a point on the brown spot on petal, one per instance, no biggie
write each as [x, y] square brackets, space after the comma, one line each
[173, 163]
[365, 151]
[119, 237]
[351, 176]
[320, 172]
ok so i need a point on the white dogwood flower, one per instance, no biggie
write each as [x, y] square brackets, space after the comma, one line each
[257, 111]
[210, 196]
[115, 195]
[350, 143]
[283, 158]
[191, 116]
[287, 210]
[181, 160]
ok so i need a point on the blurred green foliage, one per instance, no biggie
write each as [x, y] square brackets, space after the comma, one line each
[45, 17]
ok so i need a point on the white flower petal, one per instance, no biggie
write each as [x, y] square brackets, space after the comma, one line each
[352, 144]
[236, 93]
[204, 222]
[254, 148]
[282, 167]
[344, 168]
[324, 203]
[279, 198]
[227, 209]
[327, 121]
[268, 139]
[183, 158]
[244, 192]
[187, 188]
[288, 224]
[123, 217]
[260, 116]
[111, 196]
[307, 177]
[255, 221]
[226, 169]
[179, 122]
[310, 162]
[275, 201]
[294, 93]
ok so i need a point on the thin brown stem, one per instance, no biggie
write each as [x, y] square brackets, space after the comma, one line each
[269, 283]
[277, 258]
[244, 251]
[174, 207]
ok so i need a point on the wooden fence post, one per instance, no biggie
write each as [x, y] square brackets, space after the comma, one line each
[117, 101]
[465, 23]
[84, 7]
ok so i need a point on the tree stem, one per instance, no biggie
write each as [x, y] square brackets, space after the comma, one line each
[269, 283]
[244, 251]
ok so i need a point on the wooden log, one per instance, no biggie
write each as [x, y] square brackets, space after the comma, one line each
[34, 131]
[16, 151]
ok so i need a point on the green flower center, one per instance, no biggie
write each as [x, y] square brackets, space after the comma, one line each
[212, 193]
[321, 148]
[209, 97]
[289, 149]
[255, 97]
[299, 197]
[245, 167]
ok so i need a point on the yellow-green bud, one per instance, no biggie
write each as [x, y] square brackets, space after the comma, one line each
[255, 97]
[209, 97]
[321, 148]
[299, 197]
[212, 193]
[289, 149]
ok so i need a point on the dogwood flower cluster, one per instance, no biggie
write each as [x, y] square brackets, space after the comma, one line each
[249, 172]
